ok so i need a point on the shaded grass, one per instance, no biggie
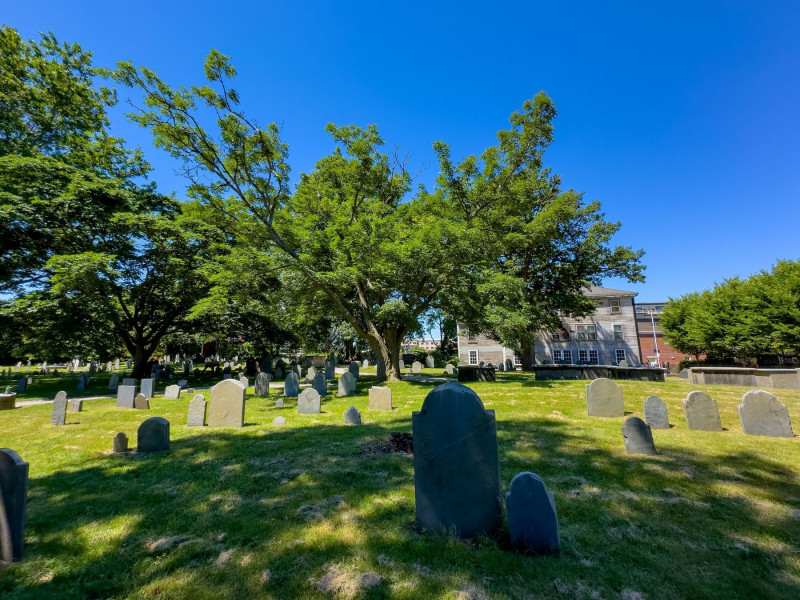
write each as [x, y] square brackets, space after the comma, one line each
[711, 516]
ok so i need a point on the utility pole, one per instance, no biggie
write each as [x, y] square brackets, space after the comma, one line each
[655, 339]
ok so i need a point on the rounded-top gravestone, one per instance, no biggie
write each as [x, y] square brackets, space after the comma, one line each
[262, 384]
[320, 384]
[761, 413]
[14, 498]
[226, 408]
[346, 384]
[604, 399]
[638, 437]
[153, 435]
[416, 367]
[532, 518]
[353, 368]
[308, 402]
[655, 413]
[291, 387]
[59, 414]
[701, 412]
[352, 416]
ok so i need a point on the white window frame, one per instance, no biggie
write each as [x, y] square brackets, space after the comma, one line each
[621, 331]
[616, 308]
[567, 353]
[473, 357]
[591, 335]
[580, 332]
[583, 356]
[556, 356]
[517, 360]
[594, 357]
[617, 355]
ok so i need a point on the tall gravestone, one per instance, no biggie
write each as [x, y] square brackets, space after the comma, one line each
[59, 414]
[352, 416]
[13, 501]
[762, 413]
[353, 368]
[22, 385]
[604, 399]
[148, 387]
[330, 370]
[227, 404]
[380, 398]
[429, 362]
[312, 372]
[416, 367]
[532, 518]
[456, 469]
[125, 396]
[701, 412]
[320, 384]
[113, 382]
[153, 435]
[308, 402]
[638, 437]
[346, 384]
[197, 412]
[262, 384]
[172, 392]
[278, 372]
[655, 413]
[291, 386]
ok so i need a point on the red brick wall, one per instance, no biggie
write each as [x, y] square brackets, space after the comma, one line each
[668, 353]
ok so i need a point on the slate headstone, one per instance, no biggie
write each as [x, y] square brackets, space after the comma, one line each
[279, 421]
[330, 370]
[153, 435]
[352, 416]
[380, 398]
[262, 384]
[456, 468]
[148, 387]
[197, 412]
[532, 518]
[128, 381]
[226, 408]
[655, 413]
[353, 368]
[761, 413]
[120, 443]
[346, 384]
[13, 500]
[59, 414]
[638, 437]
[683, 373]
[113, 382]
[75, 405]
[500, 367]
[604, 399]
[416, 367]
[429, 362]
[308, 402]
[172, 392]
[125, 396]
[510, 365]
[279, 403]
[22, 385]
[278, 372]
[701, 412]
[183, 383]
[291, 386]
[320, 384]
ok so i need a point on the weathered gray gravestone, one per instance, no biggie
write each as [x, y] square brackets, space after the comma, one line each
[13, 500]
[172, 392]
[125, 396]
[320, 384]
[655, 413]
[402, 364]
[762, 413]
[279, 403]
[279, 421]
[683, 373]
[182, 383]
[380, 398]
[330, 370]
[59, 414]
[262, 384]
[638, 437]
[308, 402]
[604, 399]
[347, 384]
[456, 469]
[227, 404]
[153, 435]
[140, 402]
[147, 388]
[197, 412]
[75, 405]
[312, 372]
[449, 368]
[244, 381]
[120, 443]
[416, 367]
[353, 368]
[429, 362]
[701, 412]
[352, 416]
[291, 386]
[22, 385]
[532, 518]
[128, 381]
[113, 382]
[623, 363]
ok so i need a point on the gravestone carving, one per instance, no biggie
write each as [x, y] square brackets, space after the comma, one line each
[638, 437]
[761, 413]
[532, 518]
[604, 399]
[655, 413]
[701, 412]
[308, 402]
[226, 408]
[153, 435]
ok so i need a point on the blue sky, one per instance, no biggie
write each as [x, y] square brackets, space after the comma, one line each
[681, 118]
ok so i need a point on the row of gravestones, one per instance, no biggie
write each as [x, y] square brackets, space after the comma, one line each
[760, 412]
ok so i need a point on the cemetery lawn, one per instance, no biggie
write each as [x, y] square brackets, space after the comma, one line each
[318, 509]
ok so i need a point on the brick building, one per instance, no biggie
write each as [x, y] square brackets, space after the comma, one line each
[655, 351]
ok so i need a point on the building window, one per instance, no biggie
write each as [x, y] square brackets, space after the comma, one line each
[593, 359]
[614, 306]
[580, 332]
[472, 338]
[583, 356]
[556, 335]
[591, 332]
[568, 356]
[620, 354]
[473, 357]
[556, 356]
[562, 333]
[517, 360]
[617, 332]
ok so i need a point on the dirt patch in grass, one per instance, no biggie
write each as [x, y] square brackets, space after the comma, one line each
[402, 443]
[339, 580]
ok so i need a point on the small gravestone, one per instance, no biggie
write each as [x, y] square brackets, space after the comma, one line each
[226, 408]
[353, 368]
[456, 468]
[330, 370]
[604, 399]
[128, 381]
[532, 518]
[401, 364]
[197, 412]
[762, 413]
[346, 384]
[279, 421]
[510, 365]
[172, 392]
[450, 369]
[153, 435]
[59, 414]
[683, 373]
[244, 381]
[701, 412]
[352, 416]
[380, 398]
[320, 384]
[113, 382]
[125, 396]
[500, 367]
[13, 500]
[365, 364]
[262, 384]
[120, 443]
[416, 367]
[22, 385]
[147, 387]
[75, 405]
[429, 363]
[291, 387]
[312, 372]
[140, 402]
[638, 437]
[279, 403]
[655, 413]
[308, 402]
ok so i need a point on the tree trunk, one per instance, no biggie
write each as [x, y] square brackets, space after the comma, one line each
[528, 357]
[140, 358]
[387, 352]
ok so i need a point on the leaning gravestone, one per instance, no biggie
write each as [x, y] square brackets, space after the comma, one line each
[701, 412]
[532, 518]
[120, 443]
[125, 396]
[762, 413]
[352, 416]
[308, 402]
[450, 369]
[59, 414]
[456, 469]
[655, 413]
[638, 437]
[380, 398]
[153, 435]
[13, 499]
[416, 367]
[244, 381]
[172, 392]
[604, 399]
[140, 402]
[320, 384]
[262, 384]
[22, 385]
[291, 387]
[75, 405]
[147, 387]
[429, 362]
[197, 412]
[330, 370]
[227, 404]
[353, 368]
[113, 382]
[346, 384]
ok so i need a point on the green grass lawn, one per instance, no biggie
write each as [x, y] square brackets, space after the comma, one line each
[284, 512]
